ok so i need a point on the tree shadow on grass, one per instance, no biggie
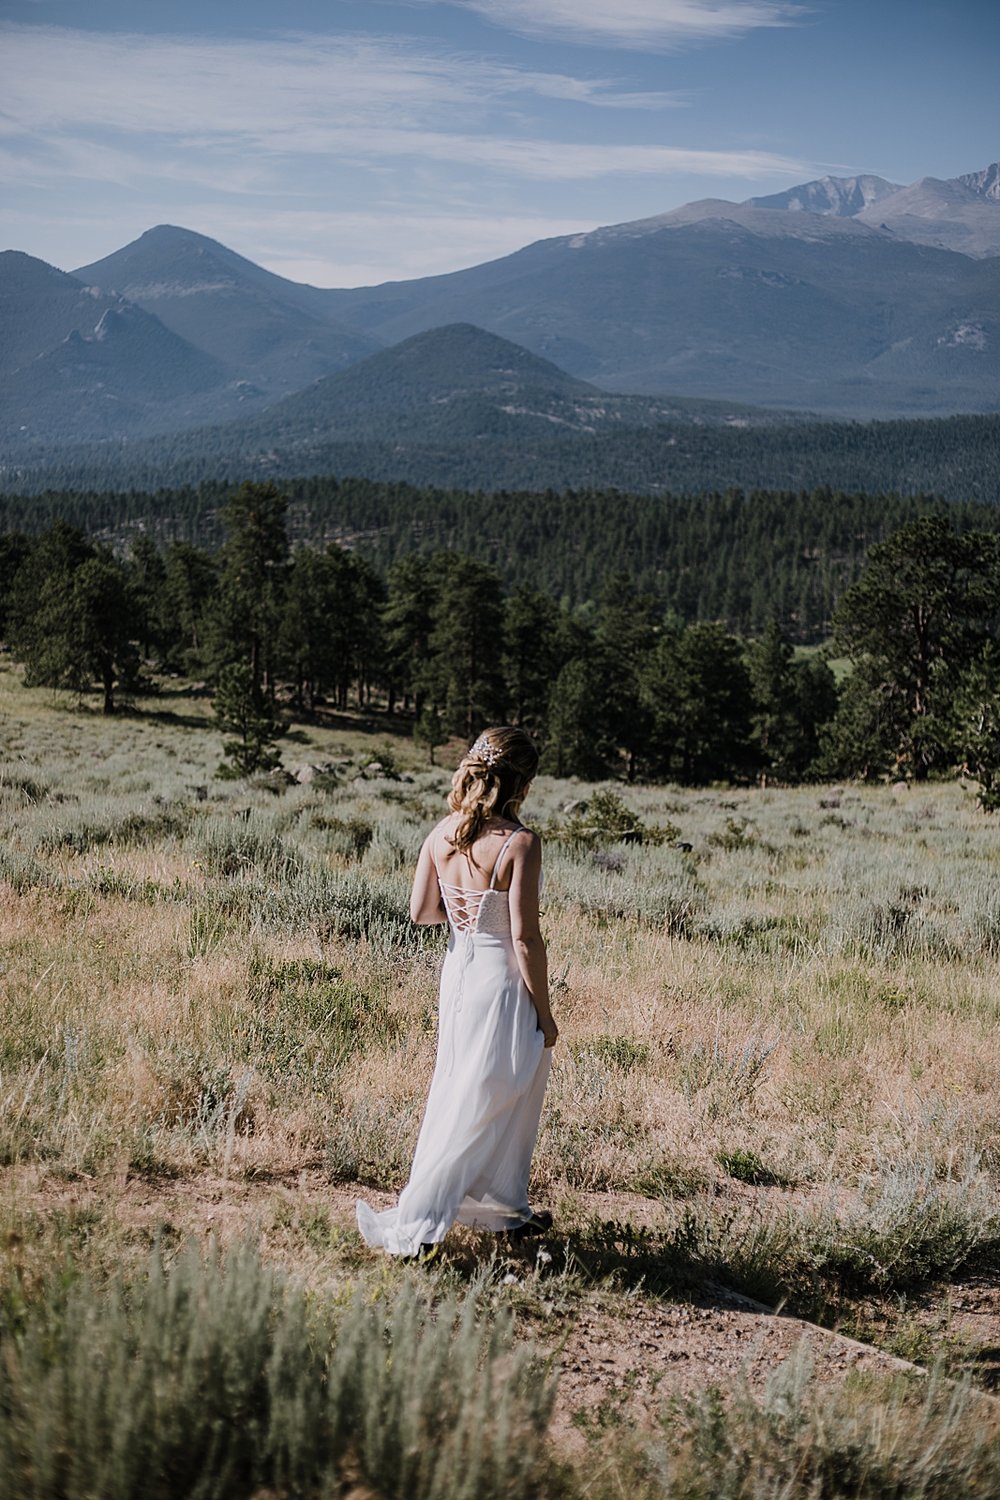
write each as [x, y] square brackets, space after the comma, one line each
[165, 716]
[621, 1257]
[357, 722]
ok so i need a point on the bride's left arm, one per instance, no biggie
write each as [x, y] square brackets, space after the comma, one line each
[426, 907]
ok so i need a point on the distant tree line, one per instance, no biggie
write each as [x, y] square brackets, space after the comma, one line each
[732, 557]
[619, 686]
[956, 457]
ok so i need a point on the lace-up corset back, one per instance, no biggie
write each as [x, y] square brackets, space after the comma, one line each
[472, 911]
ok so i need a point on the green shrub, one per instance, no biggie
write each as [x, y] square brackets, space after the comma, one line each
[746, 1166]
[607, 819]
[873, 1440]
[133, 830]
[223, 1377]
[349, 837]
[739, 833]
[232, 847]
[622, 1052]
[21, 871]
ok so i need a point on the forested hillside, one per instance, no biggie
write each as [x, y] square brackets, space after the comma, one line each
[732, 557]
[620, 685]
[957, 458]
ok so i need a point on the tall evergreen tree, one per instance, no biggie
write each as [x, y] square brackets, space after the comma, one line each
[465, 675]
[408, 619]
[976, 734]
[580, 740]
[815, 698]
[775, 731]
[698, 688]
[147, 575]
[626, 631]
[927, 601]
[245, 713]
[531, 655]
[15, 548]
[190, 584]
[246, 616]
[357, 624]
[310, 648]
[73, 616]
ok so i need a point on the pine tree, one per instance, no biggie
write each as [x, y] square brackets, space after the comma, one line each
[775, 730]
[246, 615]
[407, 620]
[976, 729]
[147, 575]
[580, 741]
[190, 585]
[626, 632]
[531, 657]
[464, 676]
[243, 711]
[73, 617]
[926, 602]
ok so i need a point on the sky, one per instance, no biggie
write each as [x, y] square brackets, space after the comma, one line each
[350, 142]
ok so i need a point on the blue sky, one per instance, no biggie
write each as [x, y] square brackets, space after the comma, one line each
[345, 143]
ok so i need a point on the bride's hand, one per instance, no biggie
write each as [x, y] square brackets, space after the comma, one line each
[549, 1030]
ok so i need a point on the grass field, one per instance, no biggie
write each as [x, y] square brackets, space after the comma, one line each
[778, 1085]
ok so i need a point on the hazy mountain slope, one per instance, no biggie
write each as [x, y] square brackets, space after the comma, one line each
[951, 215]
[460, 381]
[78, 364]
[729, 302]
[275, 334]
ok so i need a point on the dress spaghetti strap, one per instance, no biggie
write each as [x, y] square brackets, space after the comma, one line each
[496, 868]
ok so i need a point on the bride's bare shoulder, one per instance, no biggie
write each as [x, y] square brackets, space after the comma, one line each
[526, 841]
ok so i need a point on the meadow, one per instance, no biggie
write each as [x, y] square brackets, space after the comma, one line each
[773, 1127]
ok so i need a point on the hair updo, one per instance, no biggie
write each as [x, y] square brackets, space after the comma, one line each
[491, 781]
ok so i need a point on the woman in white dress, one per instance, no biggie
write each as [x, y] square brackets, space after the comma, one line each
[479, 870]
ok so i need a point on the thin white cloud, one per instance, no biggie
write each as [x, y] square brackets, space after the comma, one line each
[539, 160]
[229, 115]
[635, 23]
[570, 161]
[57, 78]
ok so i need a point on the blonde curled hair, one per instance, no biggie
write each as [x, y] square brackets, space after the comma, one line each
[492, 779]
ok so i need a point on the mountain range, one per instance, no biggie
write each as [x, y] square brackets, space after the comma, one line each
[844, 297]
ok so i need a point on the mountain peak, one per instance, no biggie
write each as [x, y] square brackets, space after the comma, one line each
[20, 272]
[166, 256]
[454, 357]
[837, 197]
[985, 183]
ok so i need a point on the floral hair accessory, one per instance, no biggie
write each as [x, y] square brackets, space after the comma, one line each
[484, 751]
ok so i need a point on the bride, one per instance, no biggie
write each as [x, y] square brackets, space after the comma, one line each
[479, 870]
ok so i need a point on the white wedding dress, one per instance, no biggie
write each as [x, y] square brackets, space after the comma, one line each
[474, 1149]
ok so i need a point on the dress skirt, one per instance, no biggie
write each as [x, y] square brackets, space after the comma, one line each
[474, 1149]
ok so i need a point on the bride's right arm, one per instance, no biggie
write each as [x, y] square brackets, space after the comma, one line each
[426, 907]
[529, 945]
